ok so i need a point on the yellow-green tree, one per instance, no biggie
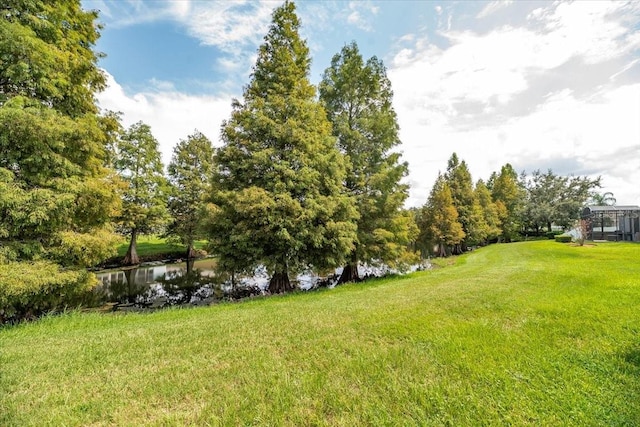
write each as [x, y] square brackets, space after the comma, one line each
[439, 225]
[57, 198]
[466, 203]
[508, 196]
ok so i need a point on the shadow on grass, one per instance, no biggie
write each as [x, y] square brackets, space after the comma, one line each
[632, 356]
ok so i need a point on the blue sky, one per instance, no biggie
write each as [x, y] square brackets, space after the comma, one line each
[537, 84]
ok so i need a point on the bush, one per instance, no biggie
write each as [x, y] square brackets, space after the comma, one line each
[31, 289]
[563, 238]
[552, 234]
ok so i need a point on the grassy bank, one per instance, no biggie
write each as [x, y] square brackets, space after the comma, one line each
[535, 333]
[153, 248]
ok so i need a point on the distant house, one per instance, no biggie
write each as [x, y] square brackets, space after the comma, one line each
[614, 223]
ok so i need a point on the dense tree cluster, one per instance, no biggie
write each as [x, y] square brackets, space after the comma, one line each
[305, 178]
[458, 214]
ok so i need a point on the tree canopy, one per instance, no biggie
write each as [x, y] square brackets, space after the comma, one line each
[508, 196]
[144, 199]
[279, 199]
[56, 196]
[358, 100]
[438, 221]
[465, 200]
[553, 199]
[190, 173]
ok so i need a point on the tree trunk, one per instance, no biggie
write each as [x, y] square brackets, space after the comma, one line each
[191, 251]
[131, 258]
[190, 263]
[457, 249]
[350, 271]
[442, 251]
[130, 277]
[279, 283]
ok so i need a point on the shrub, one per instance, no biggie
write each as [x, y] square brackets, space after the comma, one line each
[563, 238]
[552, 234]
[30, 289]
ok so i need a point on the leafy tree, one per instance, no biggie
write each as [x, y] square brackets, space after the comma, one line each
[358, 100]
[508, 197]
[279, 198]
[190, 172]
[144, 198]
[489, 212]
[57, 199]
[439, 223]
[56, 196]
[553, 199]
[469, 210]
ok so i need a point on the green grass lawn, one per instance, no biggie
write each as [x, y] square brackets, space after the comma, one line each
[153, 245]
[533, 333]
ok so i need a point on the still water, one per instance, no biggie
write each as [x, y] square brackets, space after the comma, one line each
[160, 285]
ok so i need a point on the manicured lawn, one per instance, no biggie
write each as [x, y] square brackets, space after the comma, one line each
[534, 333]
[153, 245]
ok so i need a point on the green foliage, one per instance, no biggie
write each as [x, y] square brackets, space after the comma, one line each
[553, 199]
[508, 197]
[604, 199]
[438, 220]
[278, 198]
[47, 55]
[466, 202]
[563, 238]
[190, 174]
[489, 212]
[358, 100]
[31, 289]
[144, 199]
[85, 249]
[53, 180]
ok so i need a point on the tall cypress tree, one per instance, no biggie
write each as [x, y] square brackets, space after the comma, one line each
[439, 223]
[508, 195]
[144, 200]
[279, 199]
[466, 203]
[190, 172]
[358, 100]
[56, 196]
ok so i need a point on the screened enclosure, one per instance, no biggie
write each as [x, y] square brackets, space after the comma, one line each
[613, 223]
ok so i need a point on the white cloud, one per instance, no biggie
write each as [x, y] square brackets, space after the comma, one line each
[171, 115]
[499, 97]
[493, 7]
[229, 25]
[361, 14]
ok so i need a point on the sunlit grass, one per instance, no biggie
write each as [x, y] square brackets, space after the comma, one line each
[148, 245]
[536, 333]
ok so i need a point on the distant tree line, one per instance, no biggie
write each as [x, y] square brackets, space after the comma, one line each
[459, 214]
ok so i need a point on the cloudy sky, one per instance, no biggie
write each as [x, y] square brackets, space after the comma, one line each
[540, 85]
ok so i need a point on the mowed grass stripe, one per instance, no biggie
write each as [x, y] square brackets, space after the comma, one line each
[535, 333]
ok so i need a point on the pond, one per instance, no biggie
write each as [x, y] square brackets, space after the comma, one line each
[157, 285]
